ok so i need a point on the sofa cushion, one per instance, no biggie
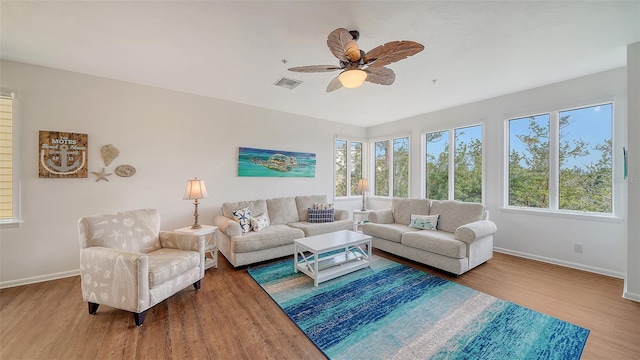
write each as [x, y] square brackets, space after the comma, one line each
[391, 232]
[400, 211]
[166, 264]
[311, 229]
[403, 208]
[256, 207]
[454, 214]
[305, 202]
[441, 243]
[320, 215]
[424, 222]
[282, 210]
[270, 237]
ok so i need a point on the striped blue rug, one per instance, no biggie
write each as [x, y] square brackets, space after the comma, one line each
[392, 311]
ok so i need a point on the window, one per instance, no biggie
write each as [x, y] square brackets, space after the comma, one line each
[468, 164]
[529, 161]
[356, 165]
[562, 160]
[382, 168]
[437, 165]
[401, 167]
[9, 212]
[348, 167]
[455, 176]
[392, 167]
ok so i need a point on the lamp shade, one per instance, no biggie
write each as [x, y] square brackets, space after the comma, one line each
[363, 185]
[352, 78]
[195, 190]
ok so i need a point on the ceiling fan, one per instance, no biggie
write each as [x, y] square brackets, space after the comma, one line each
[358, 66]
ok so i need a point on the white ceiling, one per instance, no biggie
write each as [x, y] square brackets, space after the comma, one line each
[233, 50]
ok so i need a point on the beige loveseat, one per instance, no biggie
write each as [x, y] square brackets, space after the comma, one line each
[287, 222]
[463, 240]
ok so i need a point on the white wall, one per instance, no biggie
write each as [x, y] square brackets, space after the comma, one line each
[171, 137]
[542, 236]
[632, 282]
[168, 136]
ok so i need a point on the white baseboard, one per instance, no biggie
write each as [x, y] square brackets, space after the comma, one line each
[562, 263]
[630, 295]
[37, 279]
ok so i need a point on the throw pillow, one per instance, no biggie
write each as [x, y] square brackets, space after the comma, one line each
[322, 206]
[424, 222]
[320, 215]
[243, 217]
[259, 222]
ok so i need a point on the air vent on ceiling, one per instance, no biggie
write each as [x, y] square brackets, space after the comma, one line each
[287, 83]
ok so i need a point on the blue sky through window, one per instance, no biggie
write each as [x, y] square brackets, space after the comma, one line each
[591, 124]
[469, 134]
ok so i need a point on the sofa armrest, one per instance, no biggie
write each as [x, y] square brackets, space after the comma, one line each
[124, 275]
[227, 226]
[340, 214]
[182, 241]
[384, 216]
[475, 230]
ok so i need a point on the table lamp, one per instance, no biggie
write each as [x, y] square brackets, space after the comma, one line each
[363, 186]
[195, 190]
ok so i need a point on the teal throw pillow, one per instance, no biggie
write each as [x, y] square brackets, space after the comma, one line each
[424, 222]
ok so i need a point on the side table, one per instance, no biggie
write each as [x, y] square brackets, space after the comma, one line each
[359, 218]
[211, 247]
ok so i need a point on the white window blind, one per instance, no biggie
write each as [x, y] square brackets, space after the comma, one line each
[6, 158]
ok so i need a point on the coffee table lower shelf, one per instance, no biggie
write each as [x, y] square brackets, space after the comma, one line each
[333, 266]
[328, 256]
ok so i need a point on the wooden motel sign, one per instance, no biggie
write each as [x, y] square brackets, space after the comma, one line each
[62, 155]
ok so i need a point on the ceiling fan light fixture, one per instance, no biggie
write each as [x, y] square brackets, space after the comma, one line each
[352, 78]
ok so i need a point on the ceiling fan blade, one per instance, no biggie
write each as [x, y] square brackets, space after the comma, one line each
[380, 75]
[315, 68]
[342, 45]
[334, 84]
[391, 52]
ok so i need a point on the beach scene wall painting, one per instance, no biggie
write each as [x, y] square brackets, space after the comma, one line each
[275, 163]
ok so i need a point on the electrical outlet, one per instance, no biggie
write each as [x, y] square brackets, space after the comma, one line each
[578, 248]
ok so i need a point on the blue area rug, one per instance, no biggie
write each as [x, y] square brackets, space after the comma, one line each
[392, 311]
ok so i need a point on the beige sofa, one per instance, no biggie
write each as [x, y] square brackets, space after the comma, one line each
[463, 240]
[288, 221]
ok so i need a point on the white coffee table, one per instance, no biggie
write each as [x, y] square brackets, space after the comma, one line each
[310, 254]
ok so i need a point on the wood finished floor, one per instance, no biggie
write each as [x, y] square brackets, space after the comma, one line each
[232, 318]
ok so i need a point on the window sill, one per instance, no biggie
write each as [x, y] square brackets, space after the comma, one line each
[7, 224]
[348, 198]
[610, 218]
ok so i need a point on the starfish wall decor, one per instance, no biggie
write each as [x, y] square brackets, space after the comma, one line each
[102, 175]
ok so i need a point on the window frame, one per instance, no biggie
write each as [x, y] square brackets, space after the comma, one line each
[372, 159]
[452, 159]
[16, 219]
[363, 158]
[554, 165]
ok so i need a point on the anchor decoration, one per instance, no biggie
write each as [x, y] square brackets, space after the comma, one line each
[63, 155]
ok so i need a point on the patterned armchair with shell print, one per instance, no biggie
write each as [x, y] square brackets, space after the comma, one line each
[127, 263]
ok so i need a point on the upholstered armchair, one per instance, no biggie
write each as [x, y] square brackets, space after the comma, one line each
[126, 262]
